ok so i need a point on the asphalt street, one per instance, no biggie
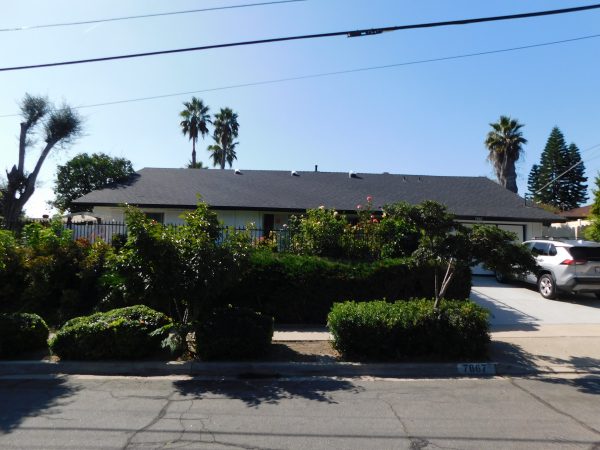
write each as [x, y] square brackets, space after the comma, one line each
[104, 413]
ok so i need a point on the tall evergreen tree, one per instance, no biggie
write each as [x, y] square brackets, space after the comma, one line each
[533, 181]
[566, 192]
[574, 181]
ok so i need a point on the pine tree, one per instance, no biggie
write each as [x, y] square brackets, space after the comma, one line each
[569, 191]
[574, 182]
[533, 181]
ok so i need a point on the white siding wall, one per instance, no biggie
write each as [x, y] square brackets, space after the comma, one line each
[237, 219]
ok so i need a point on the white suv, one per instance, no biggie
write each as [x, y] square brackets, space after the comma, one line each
[568, 266]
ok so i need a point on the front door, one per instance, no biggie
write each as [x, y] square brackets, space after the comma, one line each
[268, 224]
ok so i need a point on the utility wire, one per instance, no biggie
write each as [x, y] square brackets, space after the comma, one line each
[355, 33]
[558, 177]
[145, 16]
[328, 74]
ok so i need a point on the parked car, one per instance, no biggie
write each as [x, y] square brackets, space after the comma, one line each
[564, 266]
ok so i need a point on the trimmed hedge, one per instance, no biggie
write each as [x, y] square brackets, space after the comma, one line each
[20, 333]
[302, 289]
[407, 329]
[233, 333]
[126, 333]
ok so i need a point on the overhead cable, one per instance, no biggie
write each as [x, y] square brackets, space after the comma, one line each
[355, 33]
[328, 74]
[144, 16]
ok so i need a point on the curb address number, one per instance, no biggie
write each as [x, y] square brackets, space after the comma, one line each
[476, 369]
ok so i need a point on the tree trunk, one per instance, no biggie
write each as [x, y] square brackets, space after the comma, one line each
[194, 153]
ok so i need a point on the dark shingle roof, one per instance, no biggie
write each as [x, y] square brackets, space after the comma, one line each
[279, 190]
[578, 213]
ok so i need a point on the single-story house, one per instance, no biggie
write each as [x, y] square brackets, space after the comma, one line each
[268, 198]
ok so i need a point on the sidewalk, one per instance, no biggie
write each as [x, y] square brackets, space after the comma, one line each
[537, 350]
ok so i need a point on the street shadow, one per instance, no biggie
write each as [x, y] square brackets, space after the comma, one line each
[20, 399]
[269, 391]
[587, 384]
[516, 356]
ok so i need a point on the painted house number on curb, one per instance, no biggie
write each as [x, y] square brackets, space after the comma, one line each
[476, 369]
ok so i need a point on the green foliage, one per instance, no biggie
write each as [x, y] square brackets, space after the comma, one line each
[302, 289]
[233, 333]
[86, 173]
[178, 270]
[21, 333]
[127, 333]
[12, 271]
[505, 145]
[396, 331]
[319, 232]
[498, 251]
[194, 121]
[568, 191]
[225, 132]
[592, 232]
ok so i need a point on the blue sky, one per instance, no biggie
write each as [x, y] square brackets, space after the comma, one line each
[428, 119]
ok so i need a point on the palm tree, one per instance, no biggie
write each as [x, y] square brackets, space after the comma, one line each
[226, 130]
[195, 119]
[505, 144]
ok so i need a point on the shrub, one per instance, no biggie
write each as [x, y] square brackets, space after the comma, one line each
[233, 333]
[127, 333]
[12, 272]
[302, 289]
[395, 331]
[21, 332]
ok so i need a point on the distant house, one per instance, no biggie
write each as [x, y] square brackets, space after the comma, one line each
[574, 223]
[268, 198]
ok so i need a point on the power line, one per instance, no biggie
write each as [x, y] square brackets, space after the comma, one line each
[144, 16]
[355, 33]
[558, 177]
[328, 74]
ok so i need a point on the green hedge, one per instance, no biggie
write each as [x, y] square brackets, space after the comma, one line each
[302, 289]
[411, 329]
[20, 333]
[126, 333]
[233, 333]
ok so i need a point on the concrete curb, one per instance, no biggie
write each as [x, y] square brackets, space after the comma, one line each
[242, 369]
[265, 370]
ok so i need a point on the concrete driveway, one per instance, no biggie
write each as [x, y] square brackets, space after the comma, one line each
[520, 307]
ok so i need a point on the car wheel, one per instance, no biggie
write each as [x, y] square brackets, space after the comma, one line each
[546, 286]
[500, 277]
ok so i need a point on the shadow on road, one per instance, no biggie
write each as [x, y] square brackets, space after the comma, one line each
[20, 399]
[256, 392]
[515, 355]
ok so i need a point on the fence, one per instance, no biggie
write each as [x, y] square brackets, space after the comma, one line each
[280, 239]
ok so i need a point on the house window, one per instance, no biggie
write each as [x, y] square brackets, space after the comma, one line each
[156, 216]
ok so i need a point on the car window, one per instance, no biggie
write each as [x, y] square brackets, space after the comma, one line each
[586, 253]
[551, 250]
[540, 249]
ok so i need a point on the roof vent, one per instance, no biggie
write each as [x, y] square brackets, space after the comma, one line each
[352, 174]
[295, 174]
[238, 171]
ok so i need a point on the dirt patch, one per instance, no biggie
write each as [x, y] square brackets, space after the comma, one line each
[302, 351]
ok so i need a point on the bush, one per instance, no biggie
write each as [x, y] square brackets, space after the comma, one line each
[395, 331]
[21, 332]
[233, 333]
[302, 289]
[127, 333]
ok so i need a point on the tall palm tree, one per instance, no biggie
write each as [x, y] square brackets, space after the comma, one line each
[505, 144]
[195, 120]
[226, 130]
